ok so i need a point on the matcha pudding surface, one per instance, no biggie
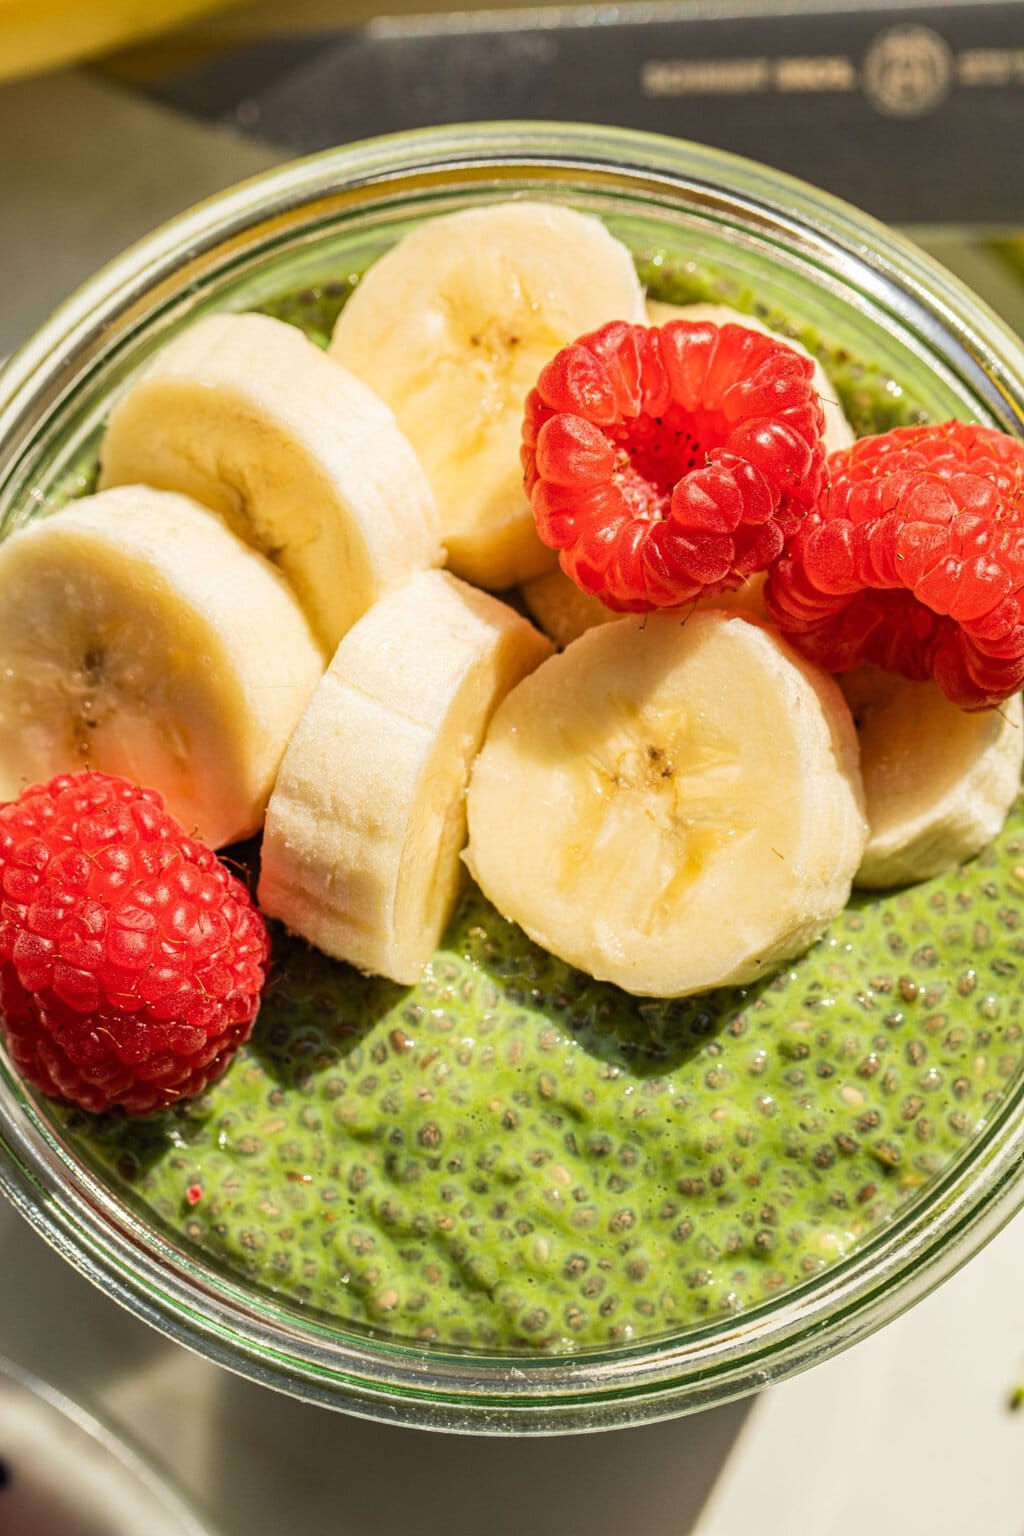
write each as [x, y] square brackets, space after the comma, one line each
[511, 1157]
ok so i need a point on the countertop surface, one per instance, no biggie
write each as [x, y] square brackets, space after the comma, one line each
[909, 1432]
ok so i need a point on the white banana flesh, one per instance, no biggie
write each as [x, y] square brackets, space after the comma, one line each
[670, 806]
[139, 636]
[838, 432]
[247, 416]
[368, 819]
[452, 327]
[564, 611]
[938, 781]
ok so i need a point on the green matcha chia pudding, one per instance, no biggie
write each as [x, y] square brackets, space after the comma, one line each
[509, 1197]
[512, 1156]
[509, 1156]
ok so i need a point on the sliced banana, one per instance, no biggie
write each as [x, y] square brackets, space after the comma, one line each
[452, 326]
[561, 608]
[139, 636]
[247, 416]
[564, 611]
[367, 821]
[838, 432]
[938, 781]
[670, 806]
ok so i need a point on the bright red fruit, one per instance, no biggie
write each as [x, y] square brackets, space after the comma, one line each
[131, 960]
[669, 463]
[914, 560]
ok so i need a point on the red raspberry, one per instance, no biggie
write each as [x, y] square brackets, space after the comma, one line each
[914, 560]
[131, 961]
[669, 463]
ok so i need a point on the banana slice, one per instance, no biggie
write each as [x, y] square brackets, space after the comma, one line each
[564, 611]
[367, 821]
[938, 782]
[300, 459]
[838, 432]
[561, 608]
[452, 327]
[139, 636]
[670, 806]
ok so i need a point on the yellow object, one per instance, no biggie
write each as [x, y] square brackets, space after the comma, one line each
[37, 34]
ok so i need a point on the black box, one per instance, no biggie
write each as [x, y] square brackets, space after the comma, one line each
[915, 113]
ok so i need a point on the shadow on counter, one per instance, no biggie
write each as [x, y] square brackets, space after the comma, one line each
[262, 1464]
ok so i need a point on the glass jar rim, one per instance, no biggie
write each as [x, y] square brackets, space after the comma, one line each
[388, 1378]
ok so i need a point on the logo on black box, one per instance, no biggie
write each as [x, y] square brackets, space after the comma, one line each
[907, 71]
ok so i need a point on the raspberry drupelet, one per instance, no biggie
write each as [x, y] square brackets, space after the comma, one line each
[669, 463]
[131, 960]
[914, 561]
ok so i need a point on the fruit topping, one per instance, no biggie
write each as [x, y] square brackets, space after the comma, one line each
[364, 831]
[913, 560]
[139, 636]
[302, 461]
[131, 960]
[838, 433]
[562, 611]
[670, 464]
[452, 326]
[671, 807]
[938, 781]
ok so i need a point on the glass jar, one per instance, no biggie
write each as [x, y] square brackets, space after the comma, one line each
[803, 254]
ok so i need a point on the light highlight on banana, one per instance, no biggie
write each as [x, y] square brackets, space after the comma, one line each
[670, 807]
[838, 432]
[367, 820]
[452, 326]
[247, 416]
[139, 636]
[938, 780]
